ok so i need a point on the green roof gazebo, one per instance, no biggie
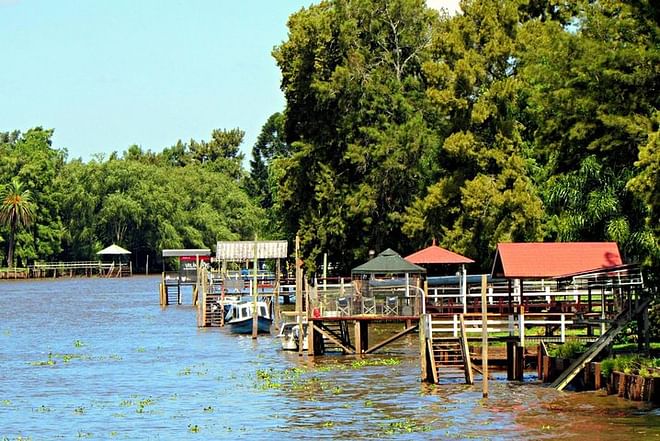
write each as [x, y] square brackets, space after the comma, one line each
[388, 263]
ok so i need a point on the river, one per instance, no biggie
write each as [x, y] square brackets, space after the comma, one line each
[99, 359]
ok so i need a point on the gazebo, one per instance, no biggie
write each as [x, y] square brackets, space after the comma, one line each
[116, 250]
[113, 250]
[390, 264]
[434, 256]
[442, 264]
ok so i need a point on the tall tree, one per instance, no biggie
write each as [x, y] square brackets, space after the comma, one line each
[478, 186]
[592, 101]
[351, 75]
[16, 212]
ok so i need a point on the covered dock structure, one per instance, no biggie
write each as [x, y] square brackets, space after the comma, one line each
[384, 289]
[542, 292]
[187, 274]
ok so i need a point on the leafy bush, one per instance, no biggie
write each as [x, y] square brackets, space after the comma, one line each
[570, 349]
[607, 366]
[629, 364]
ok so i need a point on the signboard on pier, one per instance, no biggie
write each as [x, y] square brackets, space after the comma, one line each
[244, 250]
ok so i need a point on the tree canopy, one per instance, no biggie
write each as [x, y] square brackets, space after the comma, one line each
[515, 120]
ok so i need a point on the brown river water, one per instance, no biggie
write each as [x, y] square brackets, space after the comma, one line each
[99, 359]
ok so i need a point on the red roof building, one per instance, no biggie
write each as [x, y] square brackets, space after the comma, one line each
[536, 260]
[435, 255]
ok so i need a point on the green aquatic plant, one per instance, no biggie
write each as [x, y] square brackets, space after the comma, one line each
[78, 344]
[193, 428]
[43, 409]
[80, 410]
[50, 362]
[357, 364]
[405, 426]
[208, 409]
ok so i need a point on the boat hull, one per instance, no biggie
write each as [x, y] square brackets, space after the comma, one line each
[245, 326]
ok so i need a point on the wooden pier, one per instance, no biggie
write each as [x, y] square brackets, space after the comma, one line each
[42, 270]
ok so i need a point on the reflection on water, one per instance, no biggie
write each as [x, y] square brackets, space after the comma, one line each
[98, 358]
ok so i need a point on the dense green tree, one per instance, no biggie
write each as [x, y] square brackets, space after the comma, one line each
[16, 212]
[479, 188]
[591, 102]
[270, 144]
[30, 157]
[351, 74]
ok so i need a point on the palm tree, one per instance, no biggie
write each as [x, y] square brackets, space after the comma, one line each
[16, 212]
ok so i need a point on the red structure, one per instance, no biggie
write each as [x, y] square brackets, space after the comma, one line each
[435, 255]
[539, 260]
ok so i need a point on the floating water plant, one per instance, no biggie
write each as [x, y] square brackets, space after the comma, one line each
[375, 362]
[193, 428]
[405, 426]
[78, 344]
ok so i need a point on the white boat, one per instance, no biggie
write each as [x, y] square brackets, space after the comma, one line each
[239, 317]
[290, 336]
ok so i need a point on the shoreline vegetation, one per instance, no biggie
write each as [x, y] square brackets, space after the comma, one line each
[514, 121]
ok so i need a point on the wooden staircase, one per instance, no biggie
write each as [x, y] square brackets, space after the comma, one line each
[449, 355]
[214, 310]
[334, 334]
[603, 341]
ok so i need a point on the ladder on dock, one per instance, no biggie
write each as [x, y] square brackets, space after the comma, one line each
[449, 355]
[336, 337]
[618, 325]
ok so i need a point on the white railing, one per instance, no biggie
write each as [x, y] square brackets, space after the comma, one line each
[514, 326]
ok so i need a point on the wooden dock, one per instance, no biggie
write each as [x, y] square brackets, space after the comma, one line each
[43, 270]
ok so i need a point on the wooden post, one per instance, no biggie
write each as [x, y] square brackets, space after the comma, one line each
[299, 294]
[223, 273]
[422, 346]
[520, 362]
[484, 337]
[201, 306]
[146, 268]
[521, 325]
[358, 338]
[510, 351]
[276, 296]
[255, 312]
[325, 271]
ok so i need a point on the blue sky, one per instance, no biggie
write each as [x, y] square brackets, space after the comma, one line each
[112, 73]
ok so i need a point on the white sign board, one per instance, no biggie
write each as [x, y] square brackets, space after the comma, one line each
[244, 250]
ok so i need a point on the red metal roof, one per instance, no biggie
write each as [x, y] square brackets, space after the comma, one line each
[436, 255]
[552, 259]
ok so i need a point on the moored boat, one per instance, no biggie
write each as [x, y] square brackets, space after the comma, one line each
[290, 336]
[239, 318]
